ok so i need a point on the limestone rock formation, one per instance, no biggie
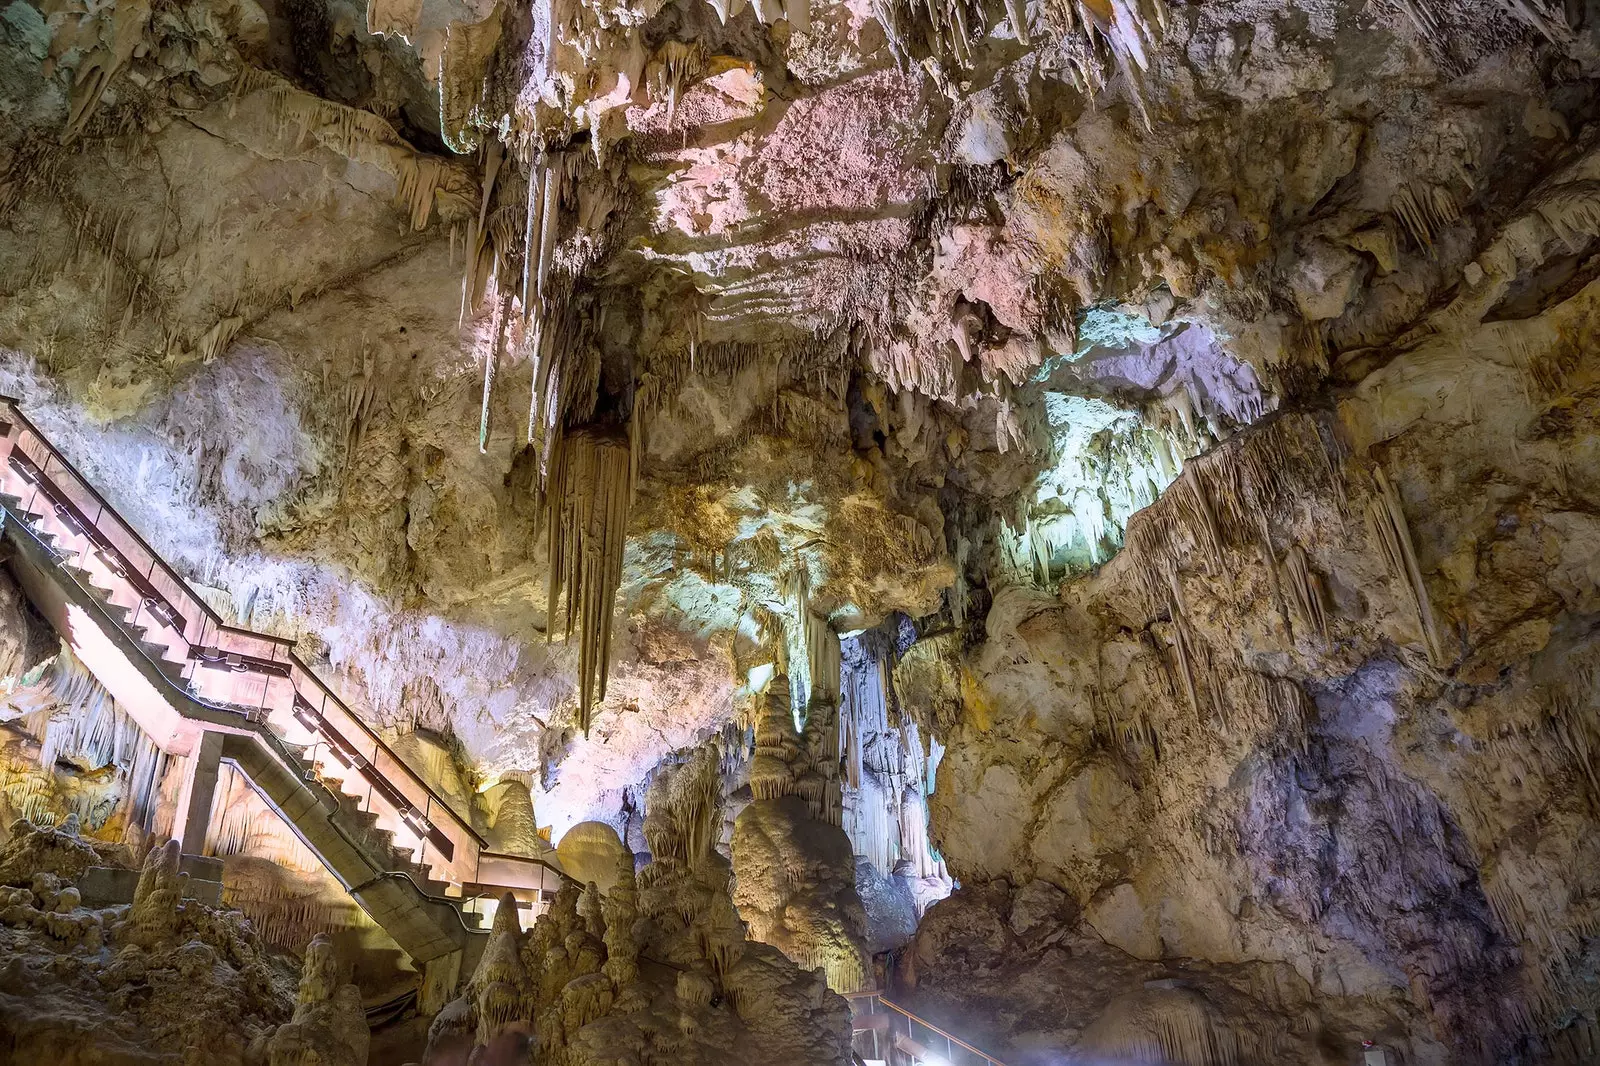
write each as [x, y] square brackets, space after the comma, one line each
[1134, 461]
[796, 885]
[328, 1027]
[32, 849]
[657, 969]
[158, 981]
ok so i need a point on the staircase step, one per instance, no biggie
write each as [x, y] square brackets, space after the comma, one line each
[271, 758]
[305, 767]
[14, 505]
[157, 654]
[350, 807]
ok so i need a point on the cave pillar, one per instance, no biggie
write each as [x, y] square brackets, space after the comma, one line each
[199, 791]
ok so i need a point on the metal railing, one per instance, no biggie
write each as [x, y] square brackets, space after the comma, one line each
[229, 667]
[884, 1031]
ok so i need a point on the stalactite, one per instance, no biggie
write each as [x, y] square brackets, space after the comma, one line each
[462, 74]
[566, 379]
[530, 226]
[1305, 593]
[587, 520]
[360, 393]
[555, 176]
[822, 656]
[419, 181]
[1183, 641]
[480, 264]
[676, 64]
[95, 72]
[1386, 521]
[1130, 30]
[1017, 13]
[491, 370]
[1423, 209]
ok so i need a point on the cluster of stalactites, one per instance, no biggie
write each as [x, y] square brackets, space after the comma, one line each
[1230, 503]
[1386, 523]
[511, 252]
[77, 720]
[584, 474]
[1101, 37]
[590, 491]
[887, 774]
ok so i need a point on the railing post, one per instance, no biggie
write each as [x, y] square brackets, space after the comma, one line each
[35, 494]
[427, 810]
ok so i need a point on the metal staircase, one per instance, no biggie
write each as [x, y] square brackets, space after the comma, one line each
[215, 692]
[883, 1033]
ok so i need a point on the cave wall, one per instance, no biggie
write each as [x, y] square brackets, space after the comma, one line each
[1383, 779]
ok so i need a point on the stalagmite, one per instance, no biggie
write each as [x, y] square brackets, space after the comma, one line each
[500, 990]
[329, 1028]
[620, 908]
[153, 917]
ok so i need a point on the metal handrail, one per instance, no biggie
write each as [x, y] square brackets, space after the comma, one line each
[879, 997]
[107, 513]
[298, 673]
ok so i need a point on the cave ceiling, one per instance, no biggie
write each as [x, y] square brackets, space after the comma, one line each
[884, 307]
